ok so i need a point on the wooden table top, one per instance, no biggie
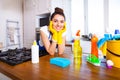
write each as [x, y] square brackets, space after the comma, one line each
[46, 71]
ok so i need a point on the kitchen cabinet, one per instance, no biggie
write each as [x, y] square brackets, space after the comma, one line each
[42, 6]
[29, 23]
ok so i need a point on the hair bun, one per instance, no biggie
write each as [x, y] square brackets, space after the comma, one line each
[58, 10]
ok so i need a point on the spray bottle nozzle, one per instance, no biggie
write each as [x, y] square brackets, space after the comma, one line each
[78, 33]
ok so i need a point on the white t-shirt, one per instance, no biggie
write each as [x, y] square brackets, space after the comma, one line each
[47, 32]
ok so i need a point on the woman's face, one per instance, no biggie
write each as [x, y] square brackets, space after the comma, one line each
[58, 22]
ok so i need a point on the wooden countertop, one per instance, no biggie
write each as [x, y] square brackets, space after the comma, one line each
[46, 71]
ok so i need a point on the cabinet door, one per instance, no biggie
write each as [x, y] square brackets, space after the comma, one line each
[42, 6]
[29, 22]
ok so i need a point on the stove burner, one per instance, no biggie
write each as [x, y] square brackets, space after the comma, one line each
[17, 56]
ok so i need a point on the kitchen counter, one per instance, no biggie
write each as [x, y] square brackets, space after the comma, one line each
[46, 71]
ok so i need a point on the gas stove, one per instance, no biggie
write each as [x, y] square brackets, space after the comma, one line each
[17, 56]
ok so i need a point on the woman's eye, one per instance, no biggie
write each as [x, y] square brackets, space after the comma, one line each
[62, 21]
[55, 20]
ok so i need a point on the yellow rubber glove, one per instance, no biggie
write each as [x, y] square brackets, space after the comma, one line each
[60, 34]
[53, 31]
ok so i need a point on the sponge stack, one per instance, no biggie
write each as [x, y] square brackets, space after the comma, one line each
[62, 62]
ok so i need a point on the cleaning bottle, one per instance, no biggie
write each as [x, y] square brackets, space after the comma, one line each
[93, 57]
[35, 52]
[94, 48]
[77, 50]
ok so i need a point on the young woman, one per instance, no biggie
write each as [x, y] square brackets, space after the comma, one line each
[54, 35]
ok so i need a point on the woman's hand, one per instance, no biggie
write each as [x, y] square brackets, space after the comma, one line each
[60, 34]
[53, 31]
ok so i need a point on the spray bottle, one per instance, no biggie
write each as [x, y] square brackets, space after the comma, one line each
[77, 50]
[35, 52]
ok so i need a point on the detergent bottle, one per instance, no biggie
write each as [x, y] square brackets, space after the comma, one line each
[94, 48]
[93, 58]
[77, 50]
[35, 52]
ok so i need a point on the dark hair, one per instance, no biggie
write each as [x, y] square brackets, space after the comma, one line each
[57, 11]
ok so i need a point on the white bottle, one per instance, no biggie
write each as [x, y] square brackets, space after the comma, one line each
[35, 52]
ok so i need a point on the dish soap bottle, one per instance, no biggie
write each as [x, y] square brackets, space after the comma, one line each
[77, 50]
[35, 52]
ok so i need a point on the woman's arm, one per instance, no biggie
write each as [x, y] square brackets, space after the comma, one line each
[50, 47]
[61, 47]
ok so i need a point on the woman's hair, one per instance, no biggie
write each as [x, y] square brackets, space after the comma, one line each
[57, 11]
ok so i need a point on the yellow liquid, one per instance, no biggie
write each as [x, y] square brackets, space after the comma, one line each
[77, 63]
[77, 49]
[77, 60]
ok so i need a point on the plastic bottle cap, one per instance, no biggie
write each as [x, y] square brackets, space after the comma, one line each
[34, 43]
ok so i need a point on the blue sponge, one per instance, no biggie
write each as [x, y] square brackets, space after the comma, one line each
[62, 62]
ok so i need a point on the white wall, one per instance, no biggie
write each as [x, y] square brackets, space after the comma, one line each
[77, 16]
[10, 10]
[96, 17]
[114, 15]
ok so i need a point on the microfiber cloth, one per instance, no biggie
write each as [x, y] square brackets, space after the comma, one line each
[62, 62]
